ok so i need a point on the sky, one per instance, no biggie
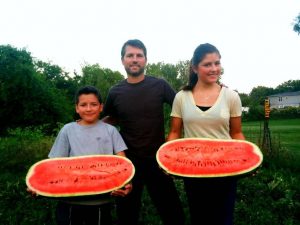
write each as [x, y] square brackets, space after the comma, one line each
[255, 37]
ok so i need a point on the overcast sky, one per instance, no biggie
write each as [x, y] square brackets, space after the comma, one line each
[255, 37]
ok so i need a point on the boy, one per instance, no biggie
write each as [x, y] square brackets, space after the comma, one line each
[87, 136]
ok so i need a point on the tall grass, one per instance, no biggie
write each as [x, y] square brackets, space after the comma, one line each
[17, 153]
[285, 133]
[285, 136]
[271, 196]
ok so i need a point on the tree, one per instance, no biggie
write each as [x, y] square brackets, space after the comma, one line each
[176, 75]
[296, 24]
[58, 77]
[183, 68]
[165, 71]
[102, 78]
[26, 98]
[245, 99]
[259, 94]
[16, 70]
[288, 86]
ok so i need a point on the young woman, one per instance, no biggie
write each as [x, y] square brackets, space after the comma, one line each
[206, 109]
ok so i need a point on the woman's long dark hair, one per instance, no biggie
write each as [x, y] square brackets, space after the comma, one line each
[200, 52]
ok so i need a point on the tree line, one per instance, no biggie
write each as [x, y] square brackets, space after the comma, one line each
[36, 93]
[296, 24]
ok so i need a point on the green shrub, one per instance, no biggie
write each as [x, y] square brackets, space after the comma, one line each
[286, 113]
[255, 113]
[269, 197]
[272, 196]
[17, 153]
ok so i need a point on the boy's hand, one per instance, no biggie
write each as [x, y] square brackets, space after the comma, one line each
[122, 192]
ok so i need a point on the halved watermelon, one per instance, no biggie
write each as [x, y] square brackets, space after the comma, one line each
[79, 176]
[201, 157]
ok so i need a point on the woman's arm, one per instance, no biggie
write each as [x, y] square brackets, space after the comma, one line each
[175, 129]
[235, 131]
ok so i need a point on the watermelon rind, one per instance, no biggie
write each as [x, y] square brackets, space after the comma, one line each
[32, 172]
[173, 164]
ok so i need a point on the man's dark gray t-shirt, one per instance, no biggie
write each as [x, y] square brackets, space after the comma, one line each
[139, 108]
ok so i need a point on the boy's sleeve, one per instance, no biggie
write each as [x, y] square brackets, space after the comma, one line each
[61, 146]
[118, 142]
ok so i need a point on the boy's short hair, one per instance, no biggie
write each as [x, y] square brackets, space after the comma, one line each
[88, 90]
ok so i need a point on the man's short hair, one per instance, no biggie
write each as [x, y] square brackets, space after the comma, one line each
[134, 43]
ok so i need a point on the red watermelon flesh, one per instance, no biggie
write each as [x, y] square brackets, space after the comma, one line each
[78, 176]
[200, 157]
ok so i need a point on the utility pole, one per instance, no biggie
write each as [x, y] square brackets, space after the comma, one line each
[267, 144]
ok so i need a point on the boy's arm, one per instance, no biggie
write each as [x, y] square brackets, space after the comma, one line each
[61, 146]
[122, 153]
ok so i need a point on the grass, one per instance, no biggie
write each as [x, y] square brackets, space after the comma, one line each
[284, 132]
[272, 196]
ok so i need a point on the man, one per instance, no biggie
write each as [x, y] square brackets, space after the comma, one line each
[136, 106]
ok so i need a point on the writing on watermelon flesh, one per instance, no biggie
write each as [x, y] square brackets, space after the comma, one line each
[79, 176]
[201, 157]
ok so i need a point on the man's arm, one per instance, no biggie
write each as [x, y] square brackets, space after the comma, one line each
[110, 120]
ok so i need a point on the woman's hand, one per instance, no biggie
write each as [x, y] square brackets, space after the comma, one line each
[122, 192]
[31, 192]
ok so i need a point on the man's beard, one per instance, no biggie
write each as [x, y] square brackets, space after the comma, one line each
[135, 74]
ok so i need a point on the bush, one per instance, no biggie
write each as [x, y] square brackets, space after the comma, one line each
[257, 113]
[286, 113]
[272, 196]
[254, 113]
[17, 153]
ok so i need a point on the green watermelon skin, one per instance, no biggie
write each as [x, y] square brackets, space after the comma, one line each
[79, 176]
[202, 157]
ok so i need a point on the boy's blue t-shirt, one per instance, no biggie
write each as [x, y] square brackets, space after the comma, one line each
[77, 140]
